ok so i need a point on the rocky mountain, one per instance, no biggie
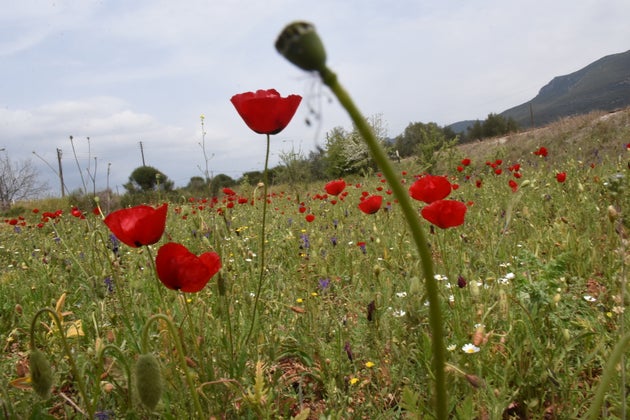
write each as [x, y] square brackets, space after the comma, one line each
[602, 85]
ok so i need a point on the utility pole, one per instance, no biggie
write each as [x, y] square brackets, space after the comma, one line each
[142, 153]
[63, 193]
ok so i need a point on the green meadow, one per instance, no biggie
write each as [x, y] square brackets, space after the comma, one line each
[533, 292]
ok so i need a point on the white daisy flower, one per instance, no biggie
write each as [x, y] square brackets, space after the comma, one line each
[470, 348]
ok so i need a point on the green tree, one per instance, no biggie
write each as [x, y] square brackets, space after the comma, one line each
[147, 179]
[494, 125]
[196, 185]
[423, 140]
[346, 152]
[219, 182]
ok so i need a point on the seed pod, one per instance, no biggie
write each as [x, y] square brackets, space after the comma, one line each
[300, 44]
[41, 375]
[148, 380]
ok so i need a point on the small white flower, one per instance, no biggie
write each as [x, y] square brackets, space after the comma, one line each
[503, 280]
[470, 348]
[451, 298]
[510, 276]
[248, 259]
[452, 347]
[401, 294]
[399, 313]
[478, 325]
[426, 303]
[504, 265]
[589, 298]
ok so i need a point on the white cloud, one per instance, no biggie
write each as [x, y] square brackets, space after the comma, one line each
[125, 72]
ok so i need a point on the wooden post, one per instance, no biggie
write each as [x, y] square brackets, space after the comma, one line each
[63, 190]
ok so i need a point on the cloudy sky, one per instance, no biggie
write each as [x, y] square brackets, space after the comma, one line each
[123, 72]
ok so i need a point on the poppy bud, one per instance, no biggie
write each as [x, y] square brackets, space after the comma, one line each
[613, 214]
[41, 375]
[475, 381]
[148, 380]
[377, 270]
[300, 44]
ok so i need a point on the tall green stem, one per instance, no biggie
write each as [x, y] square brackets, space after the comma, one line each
[66, 348]
[180, 354]
[261, 260]
[607, 375]
[435, 315]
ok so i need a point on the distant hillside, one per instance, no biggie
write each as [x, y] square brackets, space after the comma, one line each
[603, 85]
[589, 138]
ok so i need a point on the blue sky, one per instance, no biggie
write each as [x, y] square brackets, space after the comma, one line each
[121, 72]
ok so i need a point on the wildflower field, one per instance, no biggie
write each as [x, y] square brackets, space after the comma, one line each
[269, 302]
[531, 289]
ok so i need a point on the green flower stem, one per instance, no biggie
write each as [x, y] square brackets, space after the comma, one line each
[123, 360]
[157, 278]
[411, 215]
[73, 366]
[202, 366]
[180, 354]
[607, 375]
[261, 274]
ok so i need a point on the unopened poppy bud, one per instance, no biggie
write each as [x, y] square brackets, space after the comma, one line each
[414, 286]
[475, 381]
[613, 214]
[148, 380]
[107, 387]
[300, 44]
[41, 375]
[566, 334]
[377, 270]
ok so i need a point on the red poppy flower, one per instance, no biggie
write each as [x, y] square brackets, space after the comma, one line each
[335, 187]
[513, 185]
[180, 269]
[465, 161]
[445, 213]
[310, 217]
[541, 152]
[430, 188]
[561, 176]
[139, 225]
[229, 191]
[265, 111]
[371, 204]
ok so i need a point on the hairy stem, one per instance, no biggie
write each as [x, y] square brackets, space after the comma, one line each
[435, 315]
